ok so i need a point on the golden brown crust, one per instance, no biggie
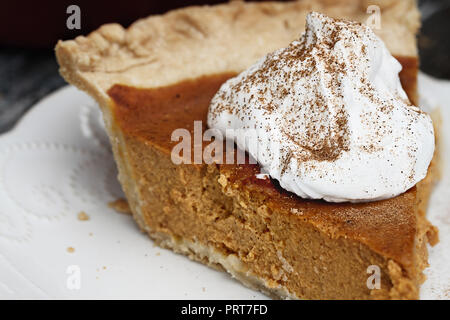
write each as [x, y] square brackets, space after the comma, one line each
[191, 42]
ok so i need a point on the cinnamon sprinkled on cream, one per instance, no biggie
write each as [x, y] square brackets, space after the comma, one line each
[327, 116]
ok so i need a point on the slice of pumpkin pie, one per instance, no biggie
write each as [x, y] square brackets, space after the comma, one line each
[300, 222]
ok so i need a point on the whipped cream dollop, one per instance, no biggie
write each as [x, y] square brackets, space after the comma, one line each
[327, 116]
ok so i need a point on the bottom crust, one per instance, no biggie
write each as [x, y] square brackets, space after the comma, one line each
[211, 257]
[403, 287]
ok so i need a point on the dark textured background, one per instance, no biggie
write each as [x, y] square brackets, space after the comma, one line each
[28, 32]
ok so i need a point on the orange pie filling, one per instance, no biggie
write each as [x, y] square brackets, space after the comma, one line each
[311, 248]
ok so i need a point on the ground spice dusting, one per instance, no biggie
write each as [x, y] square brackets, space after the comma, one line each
[300, 98]
[302, 58]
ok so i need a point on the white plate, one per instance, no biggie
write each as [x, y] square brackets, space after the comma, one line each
[56, 163]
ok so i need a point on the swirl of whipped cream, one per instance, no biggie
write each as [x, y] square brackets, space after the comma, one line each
[327, 116]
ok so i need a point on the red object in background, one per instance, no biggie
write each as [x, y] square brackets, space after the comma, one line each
[39, 24]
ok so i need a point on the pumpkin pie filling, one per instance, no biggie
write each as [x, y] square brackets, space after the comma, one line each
[311, 248]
